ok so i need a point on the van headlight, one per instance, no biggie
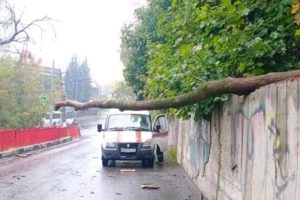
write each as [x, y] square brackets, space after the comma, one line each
[109, 145]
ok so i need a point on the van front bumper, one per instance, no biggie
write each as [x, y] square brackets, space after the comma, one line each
[116, 154]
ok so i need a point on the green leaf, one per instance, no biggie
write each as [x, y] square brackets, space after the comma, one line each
[241, 67]
[244, 12]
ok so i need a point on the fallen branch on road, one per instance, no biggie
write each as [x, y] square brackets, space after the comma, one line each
[239, 86]
[150, 186]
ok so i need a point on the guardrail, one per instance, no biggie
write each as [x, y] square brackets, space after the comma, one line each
[11, 139]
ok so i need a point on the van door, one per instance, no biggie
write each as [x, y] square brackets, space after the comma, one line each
[160, 132]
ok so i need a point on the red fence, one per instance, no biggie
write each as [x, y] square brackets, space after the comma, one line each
[10, 139]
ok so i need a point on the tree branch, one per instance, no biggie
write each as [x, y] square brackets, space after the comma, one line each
[18, 28]
[229, 85]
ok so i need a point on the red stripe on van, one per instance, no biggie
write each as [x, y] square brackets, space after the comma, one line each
[138, 136]
[118, 137]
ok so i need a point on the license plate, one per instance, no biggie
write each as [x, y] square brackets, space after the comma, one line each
[123, 150]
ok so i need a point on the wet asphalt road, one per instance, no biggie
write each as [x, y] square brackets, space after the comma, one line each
[74, 171]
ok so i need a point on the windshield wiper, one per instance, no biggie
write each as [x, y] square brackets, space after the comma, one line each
[116, 129]
[137, 128]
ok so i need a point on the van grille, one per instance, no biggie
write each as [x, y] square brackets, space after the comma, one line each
[128, 146]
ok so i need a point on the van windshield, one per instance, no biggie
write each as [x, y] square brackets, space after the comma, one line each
[129, 122]
[54, 116]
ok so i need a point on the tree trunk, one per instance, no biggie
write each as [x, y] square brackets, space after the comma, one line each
[239, 86]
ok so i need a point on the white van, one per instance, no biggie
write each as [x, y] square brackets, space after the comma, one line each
[56, 119]
[130, 135]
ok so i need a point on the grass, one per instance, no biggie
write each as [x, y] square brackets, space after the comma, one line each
[172, 155]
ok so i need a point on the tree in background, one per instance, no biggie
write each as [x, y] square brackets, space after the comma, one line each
[121, 91]
[20, 88]
[200, 41]
[134, 57]
[134, 48]
[85, 81]
[52, 87]
[14, 29]
[77, 80]
[71, 79]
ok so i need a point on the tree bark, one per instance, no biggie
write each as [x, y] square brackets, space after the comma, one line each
[239, 86]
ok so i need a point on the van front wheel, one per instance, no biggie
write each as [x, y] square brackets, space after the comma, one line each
[104, 162]
[148, 163]
[160, 155]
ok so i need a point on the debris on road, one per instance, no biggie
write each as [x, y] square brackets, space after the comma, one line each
[117, 193]
[19, 177]
[127, 170]
[189, 198]
[23, 155]
[150, 186]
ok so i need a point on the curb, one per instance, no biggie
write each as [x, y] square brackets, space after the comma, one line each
[34, 147]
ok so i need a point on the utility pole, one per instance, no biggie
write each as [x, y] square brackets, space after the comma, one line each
[52, 89]
[76, 92]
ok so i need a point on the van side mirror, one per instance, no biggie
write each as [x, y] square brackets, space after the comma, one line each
[99, 127]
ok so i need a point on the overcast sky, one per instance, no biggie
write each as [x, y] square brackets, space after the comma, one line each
[86, 28]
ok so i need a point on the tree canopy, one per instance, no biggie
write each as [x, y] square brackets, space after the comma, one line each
[122, 91]
[177, 46]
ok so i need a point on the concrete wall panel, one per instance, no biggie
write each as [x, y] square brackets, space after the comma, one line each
[292, 128]
[297, 138]
[257, 145]
[271, 105]
[250, 148]
[280, 145]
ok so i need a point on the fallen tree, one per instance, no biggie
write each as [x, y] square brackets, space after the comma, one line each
[239, 86]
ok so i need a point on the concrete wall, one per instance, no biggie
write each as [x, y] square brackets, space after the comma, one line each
[249, 150]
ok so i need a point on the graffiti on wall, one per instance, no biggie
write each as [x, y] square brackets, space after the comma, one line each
[199, 141]
[279, 154]
[280, 148]
[238, 116]
[195, 151]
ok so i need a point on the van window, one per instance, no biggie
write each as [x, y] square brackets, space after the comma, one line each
[161, 121]
[56, 116]
[129, 121]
